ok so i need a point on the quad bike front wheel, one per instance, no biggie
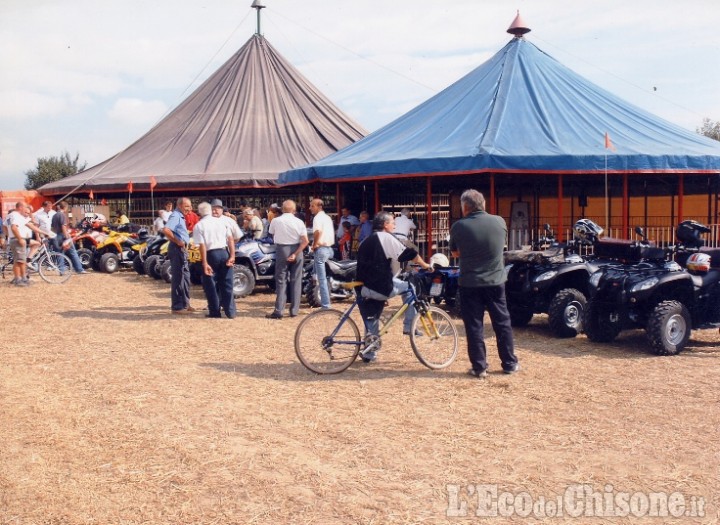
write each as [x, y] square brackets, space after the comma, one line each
[165, 272]
[86, 257]
[109, 263]
[565, 314]
[668, 328]
[152, 266]
[243, 281]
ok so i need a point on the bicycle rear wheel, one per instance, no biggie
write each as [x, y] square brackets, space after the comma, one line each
[322, 352]
[437, 347]
[55, 268]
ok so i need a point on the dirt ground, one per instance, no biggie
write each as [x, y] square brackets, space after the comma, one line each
[114, 411]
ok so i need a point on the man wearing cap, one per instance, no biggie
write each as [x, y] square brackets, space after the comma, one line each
[177, 233]
[217, 251]
[290, 236]
[323, 240]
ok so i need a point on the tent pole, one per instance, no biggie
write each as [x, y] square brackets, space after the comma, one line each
[681, 197]
[559, 235]
[626, 207]
[607, 204]
[492, 194]
[428, 212]
[377, 197]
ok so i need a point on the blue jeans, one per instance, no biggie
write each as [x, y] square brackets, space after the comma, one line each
[322, 254]
[372, 323]
[71, 252]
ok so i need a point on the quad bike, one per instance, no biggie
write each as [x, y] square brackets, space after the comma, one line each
[116, 250]
[145, 250]
[553, 278]
[87, 234]
[657, 294]
[254, 261]
[158, 266]
[337, 273]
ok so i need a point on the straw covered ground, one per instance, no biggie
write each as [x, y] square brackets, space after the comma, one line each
[114, 411]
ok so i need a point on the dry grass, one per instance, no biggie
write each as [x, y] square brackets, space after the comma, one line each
[113, 411]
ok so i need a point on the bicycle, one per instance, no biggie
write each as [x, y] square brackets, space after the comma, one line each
[53, 267]
[329, 341]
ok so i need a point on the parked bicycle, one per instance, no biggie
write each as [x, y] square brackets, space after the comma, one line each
[53, 267]
[329, 341]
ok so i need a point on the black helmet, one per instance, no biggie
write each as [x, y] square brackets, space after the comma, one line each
[688, 233]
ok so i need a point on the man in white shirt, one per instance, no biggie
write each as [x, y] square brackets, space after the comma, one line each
[404, 226]
[290, 236]
[43, 217]
[217, 252]
[323, 240]
[218, 210]
[165, 213]
[159, 222]
[20, 232]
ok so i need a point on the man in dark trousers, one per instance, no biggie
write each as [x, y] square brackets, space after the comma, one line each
[478, 239]
[290, 236]
[177, 233]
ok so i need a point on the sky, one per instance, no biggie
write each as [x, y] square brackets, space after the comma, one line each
[90, 77]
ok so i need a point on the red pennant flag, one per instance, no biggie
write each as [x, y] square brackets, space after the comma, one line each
[153, 182]
[92, 195]
[130, 187]
[608, 143]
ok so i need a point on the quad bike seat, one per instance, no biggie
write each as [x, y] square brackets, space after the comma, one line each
[627, 250]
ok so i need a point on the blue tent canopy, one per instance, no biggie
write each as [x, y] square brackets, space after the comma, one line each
[519, 112]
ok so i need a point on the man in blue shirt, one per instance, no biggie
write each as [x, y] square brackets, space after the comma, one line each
[177, 233]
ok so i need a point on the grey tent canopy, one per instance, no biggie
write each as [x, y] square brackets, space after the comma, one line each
[254, 118]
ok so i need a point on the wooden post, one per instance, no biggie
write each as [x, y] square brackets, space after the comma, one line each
[377, 197]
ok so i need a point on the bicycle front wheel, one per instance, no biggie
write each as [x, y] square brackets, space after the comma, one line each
[55, 268]
[434, 338]
[321, 351]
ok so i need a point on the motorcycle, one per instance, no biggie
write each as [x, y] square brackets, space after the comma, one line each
[337, 272]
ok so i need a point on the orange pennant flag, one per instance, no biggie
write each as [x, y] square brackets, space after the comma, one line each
[103, 202]
[153, 182]
[129, 187]
[608, 143]
[92, 195]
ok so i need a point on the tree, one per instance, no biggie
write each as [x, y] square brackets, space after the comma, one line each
[710, 129]
[50, 169]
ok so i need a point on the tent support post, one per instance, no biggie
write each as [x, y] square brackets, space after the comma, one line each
[338, 204]
[428, 212]
[681, 196]
[626, 208]
[559, 235]
[377, 197]
[492, 194]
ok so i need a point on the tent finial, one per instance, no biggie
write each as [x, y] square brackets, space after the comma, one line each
[258, 4]
[518, 27]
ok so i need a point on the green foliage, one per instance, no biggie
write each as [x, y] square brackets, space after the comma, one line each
[710, 129]
[50, 169]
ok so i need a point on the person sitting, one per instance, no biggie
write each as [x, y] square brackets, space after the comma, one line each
[379, 258]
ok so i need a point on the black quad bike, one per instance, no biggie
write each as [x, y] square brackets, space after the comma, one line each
[657, 294]
[553, 278]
